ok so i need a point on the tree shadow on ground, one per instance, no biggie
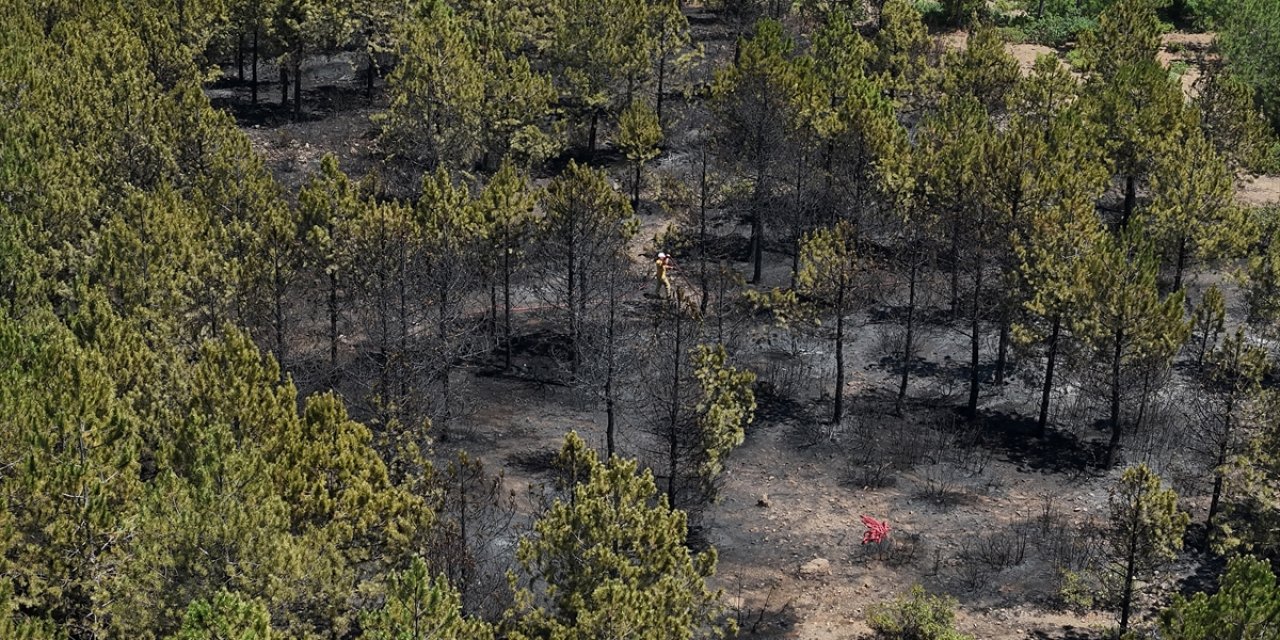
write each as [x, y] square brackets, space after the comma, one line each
[1016, 438]
[1206, 578]
[1068, 632]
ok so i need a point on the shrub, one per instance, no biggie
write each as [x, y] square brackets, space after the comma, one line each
[916, 615]
[1057, 30]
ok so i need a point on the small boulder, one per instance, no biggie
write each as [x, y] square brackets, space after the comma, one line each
[763, 501]
[816, 567]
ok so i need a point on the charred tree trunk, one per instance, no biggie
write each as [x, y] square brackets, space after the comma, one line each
[907, 346]
[838, 413]
[673, 426]
[1114, 444]
[297, 85]
[975, 327]
[702, 233]
[240, 55]
[253, 63]
[1043, 421]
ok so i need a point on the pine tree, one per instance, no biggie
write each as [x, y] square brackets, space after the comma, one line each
[437, 92]
[1230, 118]
[984, 69]
[752, 100]
[1127, 329]
[587, 222]
[830, 274]
[1224, 411]
[1193, 210]
[453, 231]
[610, 560]
[1246, 605]
[226, 616]
[727, 407]
[1135, 99]
[507, 205]
[420, 607]
[1146, 529]
[330, 205]
[903, 53]
[639, 135]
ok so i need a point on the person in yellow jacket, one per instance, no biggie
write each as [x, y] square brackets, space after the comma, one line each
[663, 284]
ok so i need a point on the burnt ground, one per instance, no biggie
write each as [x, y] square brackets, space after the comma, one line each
[983, 511]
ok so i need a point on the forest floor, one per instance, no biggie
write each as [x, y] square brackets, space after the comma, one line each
[987, 513]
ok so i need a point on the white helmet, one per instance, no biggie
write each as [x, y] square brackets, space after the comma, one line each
[661, 255]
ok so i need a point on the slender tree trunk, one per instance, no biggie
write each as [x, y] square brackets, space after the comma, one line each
[402, 285]
[635, 189]
[702, 233]
[1043, 421]
[278, 313]
[240, 55]
[1218, 480]
[1219, 476]
[572, 301]
[446, 366]
[493, 315]
[1114, 444]
[591, 136]
[839, 397]
[975, 326]
[1002, 350]
[662, 79]
[955, 270]
[1182, 262]
[253, 83]
[369, 77]
[1130, 568]
[907, 346]
[757, 227]
[610, 418]
[1130, 200]
[333, 326]
[506, 300]
[297, 85]
[673, 427]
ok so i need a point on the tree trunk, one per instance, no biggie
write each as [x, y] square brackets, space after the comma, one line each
[1130, 200]
[1182, 262]
[1126, 597]
[635, 189]
[1114, 444]
[253, 63]
[278, 313]
[757, 244]
[297, 85]
[610, 420]
[955, 270]
[442, 336]
[702, 233]
[1002, 350]
[907, 346]
[975, 326]
[591, 136]
[839, 397]
[240, 55]
[493, 315]
[369, 77]
[506, 301]
[662, 79]
[673, 428]
[284, 87]
[333, 326]
[1043, 421]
